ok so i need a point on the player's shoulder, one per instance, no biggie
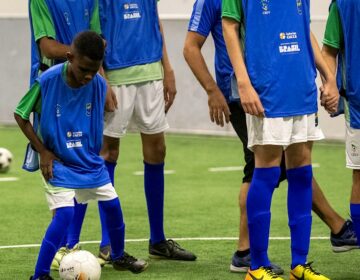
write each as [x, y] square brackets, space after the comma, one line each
[51, 73]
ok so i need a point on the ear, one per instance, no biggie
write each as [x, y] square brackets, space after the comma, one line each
[70, 57]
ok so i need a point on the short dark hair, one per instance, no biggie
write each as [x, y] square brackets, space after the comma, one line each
[89, 44]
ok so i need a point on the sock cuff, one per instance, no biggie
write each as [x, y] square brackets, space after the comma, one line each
[300, 171]
[154, 166]
[267, 173]
[110, 163]
[355, 209]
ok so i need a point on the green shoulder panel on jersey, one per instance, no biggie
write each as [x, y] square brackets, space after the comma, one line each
[31, 102]
[232, 9]
[42, 22]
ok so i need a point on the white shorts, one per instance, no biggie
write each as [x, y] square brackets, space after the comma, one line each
[352, 144]
[143, 103]
[282, 131]
[66, 198]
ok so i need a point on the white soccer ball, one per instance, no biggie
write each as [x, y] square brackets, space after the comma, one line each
[79, 265]
[6, 158]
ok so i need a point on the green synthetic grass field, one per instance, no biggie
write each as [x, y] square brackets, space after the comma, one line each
[198, 204]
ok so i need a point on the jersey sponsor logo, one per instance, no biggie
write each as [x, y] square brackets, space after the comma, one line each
[67, 18]
[74, 134]
[88, 109]
[299, 6]
[288, 35]
[58, 110]
[354, 149]
[131, 11]
[74, 144]
[289, 48]
[265, 6]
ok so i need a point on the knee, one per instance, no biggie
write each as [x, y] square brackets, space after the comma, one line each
[110, 149]
[155, 154]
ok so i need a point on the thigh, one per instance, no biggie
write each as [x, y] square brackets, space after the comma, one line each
[117, 122]
[149, 111]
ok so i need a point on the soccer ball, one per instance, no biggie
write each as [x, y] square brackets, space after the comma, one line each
[5, 160]
[79, 265]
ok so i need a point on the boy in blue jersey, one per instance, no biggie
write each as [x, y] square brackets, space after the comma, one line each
[70, 99]
[138, 69]
[53, 25]
[206, 18]
[341, 51]
[275, 71]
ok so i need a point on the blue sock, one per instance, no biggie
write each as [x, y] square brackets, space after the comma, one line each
[73, 234]
[299, 212]
[52, 239]
[105, 240]
[115, 226]
[258, 205]
[355, 216]
[154, 192]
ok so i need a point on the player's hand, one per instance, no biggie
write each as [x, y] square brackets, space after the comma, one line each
[250, 101]
[169, 89]
[218, 108]
[46, 164]
[111, 102]
[329, 96]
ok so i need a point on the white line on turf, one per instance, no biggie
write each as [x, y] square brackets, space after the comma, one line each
[225, 168]
[177, 239]
[9, 179]
[141, 173]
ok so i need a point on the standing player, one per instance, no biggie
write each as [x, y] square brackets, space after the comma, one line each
[138, 69]
[70, 99]
[206, 18]
[276, 81]
[54, 24]
[341, 45]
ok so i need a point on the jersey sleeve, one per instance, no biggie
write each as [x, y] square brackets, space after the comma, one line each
[95, 18]
[31, 102]
[203, 17]
[232, 9]
[42, 22]
[333, 36]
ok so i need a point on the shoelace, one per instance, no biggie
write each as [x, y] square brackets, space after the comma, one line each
[270, 273]
[174, 244]
[310, 269]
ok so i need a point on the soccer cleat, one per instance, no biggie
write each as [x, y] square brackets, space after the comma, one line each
[242, 264]
[104, 255]
[262, 273]
[58, 257]
[44, 277]
[127, 262]
[347, 241]
[169, 249]
[305, 272]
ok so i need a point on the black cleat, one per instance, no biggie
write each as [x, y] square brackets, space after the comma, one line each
[169, 249]
[347, 241]
[127, 262]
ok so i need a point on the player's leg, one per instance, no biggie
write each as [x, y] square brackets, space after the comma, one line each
[63, 202]
[115, 127]
[353, 162]
[241, 259]
[342, 237]
[113, 220]
[149, 115]
[299, 175]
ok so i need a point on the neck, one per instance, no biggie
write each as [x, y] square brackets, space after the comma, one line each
[70, 78]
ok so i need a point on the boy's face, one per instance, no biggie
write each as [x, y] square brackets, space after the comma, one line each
[83, 68]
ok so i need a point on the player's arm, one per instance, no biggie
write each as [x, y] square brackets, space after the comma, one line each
[169, 76]
[250, 100]
[21, 115]
[218, 107]
[329, 90]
